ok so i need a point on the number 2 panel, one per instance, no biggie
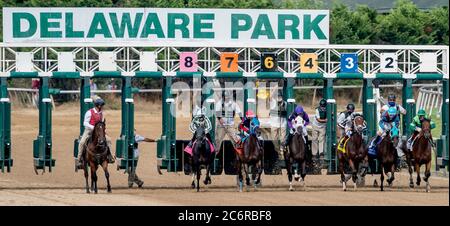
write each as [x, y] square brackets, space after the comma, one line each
[388, 62]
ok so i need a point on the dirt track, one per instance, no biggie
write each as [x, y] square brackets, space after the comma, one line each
[65, 187]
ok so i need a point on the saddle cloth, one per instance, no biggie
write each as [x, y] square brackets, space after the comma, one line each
[188, 149]
[343, 147]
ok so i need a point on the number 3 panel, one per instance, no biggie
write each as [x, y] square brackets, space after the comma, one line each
[349, 63]
[308, 63]
[229, 62]
[188, 62]
[388, 62]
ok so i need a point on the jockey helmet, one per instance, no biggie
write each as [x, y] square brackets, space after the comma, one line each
[392, 112]
[323, 103]
[250, 114]
[299, 110]
[391, 100]
[99, 102]
[421, 112]
[350, 108]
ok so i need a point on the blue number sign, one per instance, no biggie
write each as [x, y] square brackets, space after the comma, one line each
[349, 63]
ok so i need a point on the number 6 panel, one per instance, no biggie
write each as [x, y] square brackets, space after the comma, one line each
[269, 62]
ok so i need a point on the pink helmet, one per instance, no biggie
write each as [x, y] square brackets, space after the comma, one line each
[249, 114]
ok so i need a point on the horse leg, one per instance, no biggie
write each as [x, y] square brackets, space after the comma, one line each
[199, 173]
[354, 171]
[417, 167]
[105, 169]
[410, 171]
[92, 167]
[391, 176]
[208, 178]
[247, 178]
[289, 172]
[303, 174]
[382, 178]
[341, 169]
[240, 177]
[427, 176]
[86, 176]
[193, 179]
[259, 172]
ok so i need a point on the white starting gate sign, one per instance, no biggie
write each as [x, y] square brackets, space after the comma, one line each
[167, 26]
[388, 62]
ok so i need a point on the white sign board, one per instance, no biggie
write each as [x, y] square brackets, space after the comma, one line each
[388, 62]
[167, 26]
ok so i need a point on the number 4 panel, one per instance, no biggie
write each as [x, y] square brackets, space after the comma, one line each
[388, 62]
[309, 63]
[188, 62]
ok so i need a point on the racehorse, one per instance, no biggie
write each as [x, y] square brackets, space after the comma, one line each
[421, 154]
[387, 154]
[296, 154]
[355, 154]
[201, 156]
[250, 156]
[96, 154]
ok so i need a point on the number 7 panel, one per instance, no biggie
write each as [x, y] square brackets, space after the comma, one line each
[229, 62]
[309, 63]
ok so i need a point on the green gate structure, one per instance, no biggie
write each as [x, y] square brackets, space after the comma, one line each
[90, 60]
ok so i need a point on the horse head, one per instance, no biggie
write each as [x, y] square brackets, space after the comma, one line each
[200, 134]
[298, 124]
[426, 128]
[359, 123]
[99, 134]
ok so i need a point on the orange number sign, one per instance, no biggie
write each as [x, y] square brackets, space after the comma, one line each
[229, 62]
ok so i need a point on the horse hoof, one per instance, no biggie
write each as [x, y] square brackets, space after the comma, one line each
[88, 192]
[411, 185]
[296, 178]
[375, 183]
[109, 191]
[418, 183]
[291, 189]
[428, 188]
[193, 185]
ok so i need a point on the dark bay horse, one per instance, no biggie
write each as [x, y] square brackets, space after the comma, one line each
[387, 155]
[421, 154]
[201, 156]
[355, 154]
[250, 156]
[296, 154]
[96, 154]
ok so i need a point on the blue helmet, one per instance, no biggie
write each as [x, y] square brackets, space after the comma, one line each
[391, 100]
[392, 112]
[99, 102]
[299, 110]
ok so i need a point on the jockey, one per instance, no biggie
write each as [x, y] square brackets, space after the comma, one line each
[348, 128]
[391, 103]
[248, 123]
[416, 126]
[389, 117]
[342, 120]
[91, 117]
[199, 119]
[297, 112]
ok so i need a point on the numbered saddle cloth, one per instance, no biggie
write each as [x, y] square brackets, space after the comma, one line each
[188, 149]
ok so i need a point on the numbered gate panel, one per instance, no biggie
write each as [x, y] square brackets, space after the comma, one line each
[309, 63]
[270, 158]
[216, 168]
[188, 62]
[269, 62]
[388, 62]
[349, 63]
[229, 62]
[229, 158]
